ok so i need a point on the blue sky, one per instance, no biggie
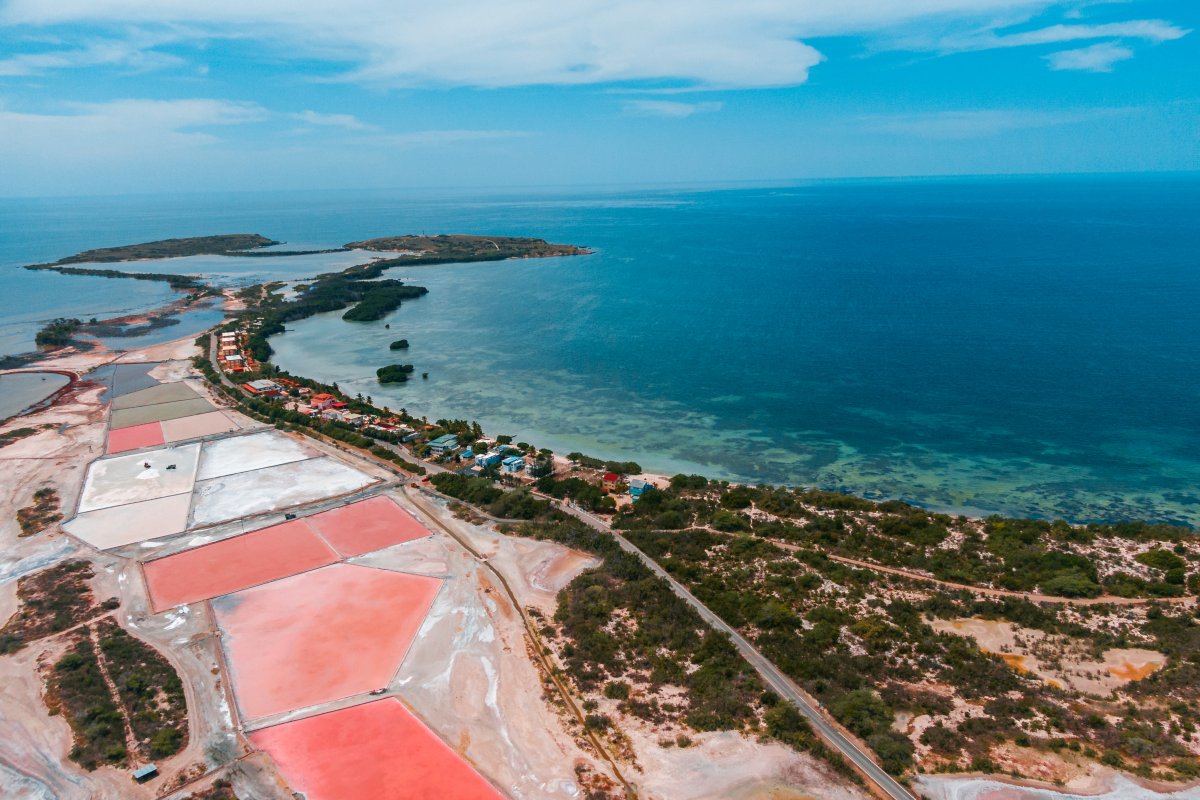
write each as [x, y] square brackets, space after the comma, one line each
[116, 96]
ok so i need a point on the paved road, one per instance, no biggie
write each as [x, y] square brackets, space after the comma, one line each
[779, 683]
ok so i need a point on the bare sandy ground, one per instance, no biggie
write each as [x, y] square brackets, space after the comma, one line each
[492, 685]
[1032, 651]
[1111, 786]
[468, 677]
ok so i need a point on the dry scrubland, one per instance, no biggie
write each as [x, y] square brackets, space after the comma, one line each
[1105, 670]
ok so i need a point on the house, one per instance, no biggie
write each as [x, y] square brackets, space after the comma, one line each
[513, 464]
[350, 418]
[487, 459]
[262, 388]
[467, 454]
[637, 487]
[443, 444]
[321, 401]
[611, 479]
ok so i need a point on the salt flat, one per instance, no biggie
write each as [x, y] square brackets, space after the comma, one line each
[246, 453]
[193, 427]
[140, 476]
[134, 522]
[248, 493]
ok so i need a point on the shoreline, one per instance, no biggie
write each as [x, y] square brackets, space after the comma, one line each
[1099, 785]
[230, 304]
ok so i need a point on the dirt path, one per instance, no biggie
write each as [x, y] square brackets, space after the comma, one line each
[1033, 597]
[131, 742]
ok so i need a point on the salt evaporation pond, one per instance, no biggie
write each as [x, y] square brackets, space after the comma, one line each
[20, 390]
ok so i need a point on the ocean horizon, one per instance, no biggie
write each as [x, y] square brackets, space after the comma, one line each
[1012, 345]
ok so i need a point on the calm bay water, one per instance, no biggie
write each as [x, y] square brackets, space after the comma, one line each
[1026, 346]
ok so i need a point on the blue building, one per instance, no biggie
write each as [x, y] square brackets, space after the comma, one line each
[513, 464]
[637, 487]
[487, 459]
[444, 444]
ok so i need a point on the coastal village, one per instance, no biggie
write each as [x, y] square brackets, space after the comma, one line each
[483, 456]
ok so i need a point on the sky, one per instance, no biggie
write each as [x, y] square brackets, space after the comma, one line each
[130, 96]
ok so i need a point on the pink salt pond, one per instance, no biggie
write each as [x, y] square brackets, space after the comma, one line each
[320, 636]
[135, 438]
[375, 751]
[233, 564]
[367, 526]
[278, 551]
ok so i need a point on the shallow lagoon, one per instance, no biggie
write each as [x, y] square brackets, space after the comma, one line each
[20, 390]
[1018, 345]
[1014, 347]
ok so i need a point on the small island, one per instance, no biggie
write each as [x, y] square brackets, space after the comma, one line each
[223, 245]
[394, 373]
[462, 247]
[360, 290]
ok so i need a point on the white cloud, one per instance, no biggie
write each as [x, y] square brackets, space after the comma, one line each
[1096, 58]
[1150, 30]
[670, 108]
[980, 123]
[753, 43]
[134, 53]
[665, 44]
[124, 129]
[346, 121]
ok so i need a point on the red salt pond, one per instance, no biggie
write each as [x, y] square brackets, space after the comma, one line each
[279, 551]
[320, 636]
[375, 751]
[370, 525]
[233, 564]
[136, 437]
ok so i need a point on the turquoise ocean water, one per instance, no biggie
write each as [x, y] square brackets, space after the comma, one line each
[1026, 346]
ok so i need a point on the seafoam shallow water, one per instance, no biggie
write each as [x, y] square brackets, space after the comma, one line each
[1013, 347]
[1023, 346]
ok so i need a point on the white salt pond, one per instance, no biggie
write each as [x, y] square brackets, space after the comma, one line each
[20, 390]
[247, 493]
[140, 476]
[245, 453]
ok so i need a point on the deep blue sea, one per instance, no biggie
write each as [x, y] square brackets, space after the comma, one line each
[1019, 345]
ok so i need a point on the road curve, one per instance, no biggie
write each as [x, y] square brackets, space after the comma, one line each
[885, 784]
